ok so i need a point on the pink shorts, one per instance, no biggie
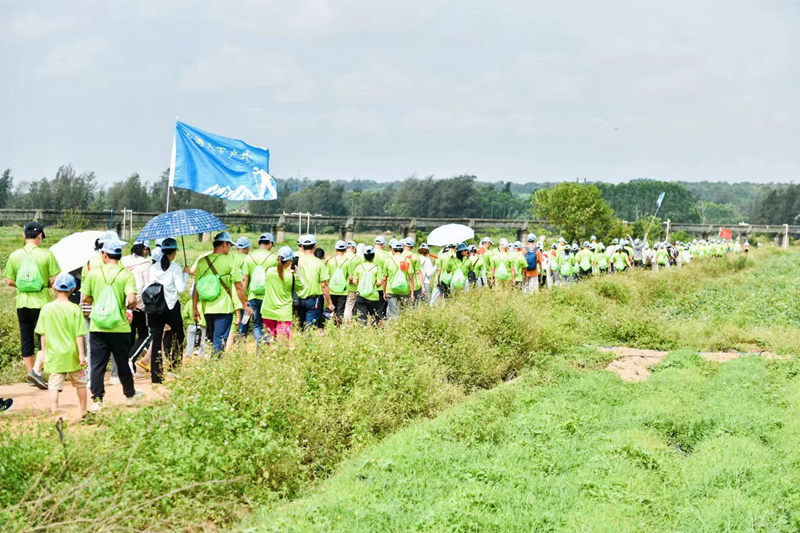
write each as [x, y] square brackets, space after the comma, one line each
[277, 328]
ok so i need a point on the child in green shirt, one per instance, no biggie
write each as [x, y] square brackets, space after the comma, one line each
[62, 328]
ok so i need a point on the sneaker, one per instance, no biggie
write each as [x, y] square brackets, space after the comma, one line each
[36, 380]
[6, 404]
[133, 400]
[97, 405]
[114, 380]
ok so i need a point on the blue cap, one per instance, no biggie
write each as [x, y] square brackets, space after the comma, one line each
[169, 244]
[65, 282]
[110, 236]
[146, 244]
[369, 250]
[462, 247]
[423, 246]
[242, 243]
[352, 244]
[409, 242]
[309, 240]
[267, 236]
[286, 253]
[157, 254]
[223, 236]
[396, 245]
[341, 245]
[112, 247]
[379, 240]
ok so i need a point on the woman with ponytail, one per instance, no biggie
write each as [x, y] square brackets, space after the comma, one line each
[173, 280]
[280, 281]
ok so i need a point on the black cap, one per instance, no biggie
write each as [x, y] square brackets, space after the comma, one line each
[33, 229]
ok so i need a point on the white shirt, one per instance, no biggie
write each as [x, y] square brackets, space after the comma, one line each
[138, 266]
[174, 280]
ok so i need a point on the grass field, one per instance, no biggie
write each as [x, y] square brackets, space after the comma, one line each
[566, 440]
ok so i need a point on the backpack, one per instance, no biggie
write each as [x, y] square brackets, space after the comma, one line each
[566, 267]
[399, 282]
[586, 263]
[105, 308]
[338, 282]
[366, 285]
[458, 279]
[602, 263]
[501, 272]
[154, 300]
[530, 258]
[29, 279]
[258, 281]
[209, 286]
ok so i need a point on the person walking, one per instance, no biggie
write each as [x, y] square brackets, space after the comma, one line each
[31, 270]
[503, 270]
[217, 282]
[255, 269]
[338, 267]
[400, 277]
[353, 259]
[533, 265]
[368, 276]
[281, 280]
[170, 280]
[138, 263]
[314, 293]
[410, 255]
[110, 289]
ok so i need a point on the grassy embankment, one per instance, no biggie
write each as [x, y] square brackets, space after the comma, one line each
[263, 427]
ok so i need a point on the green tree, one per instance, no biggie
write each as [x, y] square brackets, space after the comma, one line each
[321, 197]
[577, 210]
[181, 198]
[637, 198]
[714, 213]
[67, 190]
[6, 188]
[129, 194]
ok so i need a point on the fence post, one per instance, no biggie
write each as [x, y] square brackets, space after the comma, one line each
[786, 235]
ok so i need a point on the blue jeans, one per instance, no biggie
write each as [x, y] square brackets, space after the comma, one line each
[218, 326]
[258, 323]
[311, 311]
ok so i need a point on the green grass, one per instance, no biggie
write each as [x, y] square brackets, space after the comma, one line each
[698, 447]
[255, 428]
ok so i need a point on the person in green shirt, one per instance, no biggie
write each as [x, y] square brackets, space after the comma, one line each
[338, 267]
[408, 253]
[254, 269]
[110, 289]
[218, 281]
[276, 307]
[601, 262]
[503, 270]
[400, 277]
[353, 259]
[520, 264]
[621, 258]
[315, 285]
[62, 328]
[381, 255]
[368, 276]
[31, 270]
[584, 260]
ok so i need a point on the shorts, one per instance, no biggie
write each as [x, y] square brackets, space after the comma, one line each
[77, 378]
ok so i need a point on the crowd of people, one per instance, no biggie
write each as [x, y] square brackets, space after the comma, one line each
[127, 308]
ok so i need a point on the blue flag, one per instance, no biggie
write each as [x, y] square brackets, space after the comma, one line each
[219, 166]
[660, 199]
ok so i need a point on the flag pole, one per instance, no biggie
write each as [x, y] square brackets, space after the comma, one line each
[646, 233]
[171, 179]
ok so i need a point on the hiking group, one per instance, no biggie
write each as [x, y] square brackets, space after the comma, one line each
[127, 309]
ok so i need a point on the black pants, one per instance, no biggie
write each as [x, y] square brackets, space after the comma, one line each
[339, 301]
[368, 308]
[138, 331]
[173, 344]
[104, 345]
[27, 319]
[382, 304]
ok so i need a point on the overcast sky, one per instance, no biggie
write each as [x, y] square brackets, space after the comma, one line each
[525, 90]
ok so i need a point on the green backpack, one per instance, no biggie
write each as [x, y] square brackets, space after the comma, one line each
[501, 272]
[366, 285]
[399, 282]
[458, 280]
[602, 263]
[29, 279]
[566, 267]
[258, 281]
[105, 309]
[209, 286]
[586, 263]
[338, 283]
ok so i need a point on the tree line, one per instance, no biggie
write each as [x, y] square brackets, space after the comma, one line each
[456, 197]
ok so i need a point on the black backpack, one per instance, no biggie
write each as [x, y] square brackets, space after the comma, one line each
[153, 299]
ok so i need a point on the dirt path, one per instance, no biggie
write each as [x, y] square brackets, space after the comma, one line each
[32, 401]
[633, 365]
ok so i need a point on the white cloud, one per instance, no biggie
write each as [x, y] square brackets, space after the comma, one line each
[235, 68]
[378, 79]
[351, 119]
[78, 59]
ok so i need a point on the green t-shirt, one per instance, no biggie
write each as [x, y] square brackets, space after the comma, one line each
[229, 273]
[95, 262]
[521, 264]
[277, 299]
[381, 256]
[265, 258]
[121, 281]
[338, 261]
[505, 258]
[61, 323]
[354, 260]
[314, 272]
[391, 266]
[619, 260]
[584, 259]
[377, 272]
[601, 260]
[48, 267]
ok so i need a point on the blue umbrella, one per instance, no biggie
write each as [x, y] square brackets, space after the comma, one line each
[177, 223]
[180, 223]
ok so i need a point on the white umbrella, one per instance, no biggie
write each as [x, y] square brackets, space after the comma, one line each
[74, 251]
[450, 234]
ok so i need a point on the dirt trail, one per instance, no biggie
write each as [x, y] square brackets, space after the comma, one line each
[633, 365]
[32, 401]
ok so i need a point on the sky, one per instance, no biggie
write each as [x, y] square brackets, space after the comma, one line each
[509, 90]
